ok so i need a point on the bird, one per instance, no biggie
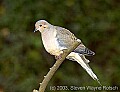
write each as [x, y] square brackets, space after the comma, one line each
[56, 39]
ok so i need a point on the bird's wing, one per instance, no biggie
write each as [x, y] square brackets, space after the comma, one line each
[64, 37]
[81, 49]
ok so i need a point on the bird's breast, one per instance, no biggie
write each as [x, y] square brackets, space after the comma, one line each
[50, 43]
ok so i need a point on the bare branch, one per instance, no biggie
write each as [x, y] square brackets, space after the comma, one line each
[55, 67]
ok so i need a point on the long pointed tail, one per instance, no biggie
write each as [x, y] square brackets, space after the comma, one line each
[84, 63]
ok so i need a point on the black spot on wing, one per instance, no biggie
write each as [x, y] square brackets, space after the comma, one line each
[85, 51]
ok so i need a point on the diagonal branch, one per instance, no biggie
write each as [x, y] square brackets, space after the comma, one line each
[55, 67]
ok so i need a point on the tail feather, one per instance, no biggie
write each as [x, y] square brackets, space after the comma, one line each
[84, 63]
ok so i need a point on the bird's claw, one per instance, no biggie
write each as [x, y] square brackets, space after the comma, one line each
[58, 57]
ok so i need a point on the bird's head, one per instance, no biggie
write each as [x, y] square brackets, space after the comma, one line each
[41, 25]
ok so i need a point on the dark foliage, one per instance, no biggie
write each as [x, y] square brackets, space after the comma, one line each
[23, 59]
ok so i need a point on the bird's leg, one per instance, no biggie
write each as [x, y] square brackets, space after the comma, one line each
[58, 57]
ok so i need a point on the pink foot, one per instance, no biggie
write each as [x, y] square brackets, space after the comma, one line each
[58, 57]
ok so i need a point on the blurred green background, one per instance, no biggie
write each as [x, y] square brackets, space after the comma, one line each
[23, 59]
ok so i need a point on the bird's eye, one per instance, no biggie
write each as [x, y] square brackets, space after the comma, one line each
[40, 25]
[44, 27]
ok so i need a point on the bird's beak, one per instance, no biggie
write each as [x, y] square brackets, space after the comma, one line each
[35, 30]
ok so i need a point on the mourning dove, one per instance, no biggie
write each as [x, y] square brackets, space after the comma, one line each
[56, 39]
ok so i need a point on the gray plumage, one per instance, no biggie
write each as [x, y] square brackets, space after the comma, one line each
[56, 39]
[65, 38]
